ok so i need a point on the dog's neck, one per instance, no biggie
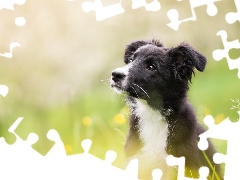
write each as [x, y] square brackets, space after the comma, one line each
[153, 132]
[164, 106]
[151, 124]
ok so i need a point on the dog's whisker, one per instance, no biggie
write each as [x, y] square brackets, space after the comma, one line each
[106, 81]
[165, 123]
[142, 90]
[135, 91]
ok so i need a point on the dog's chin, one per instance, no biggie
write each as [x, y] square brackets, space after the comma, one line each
[128, 92]
[118, 89]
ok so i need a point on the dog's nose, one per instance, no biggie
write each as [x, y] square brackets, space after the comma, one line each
[117, 76]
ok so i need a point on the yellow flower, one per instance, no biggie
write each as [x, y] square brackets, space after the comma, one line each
[87, 121]
[68, 148]
[206, 111]
[120, 119]
[219, 118]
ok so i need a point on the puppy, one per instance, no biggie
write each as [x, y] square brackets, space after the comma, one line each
[162, 122]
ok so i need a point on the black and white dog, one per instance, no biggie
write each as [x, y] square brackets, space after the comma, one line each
[162, 122]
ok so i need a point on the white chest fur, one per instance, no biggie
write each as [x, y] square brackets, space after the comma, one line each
[153, 131]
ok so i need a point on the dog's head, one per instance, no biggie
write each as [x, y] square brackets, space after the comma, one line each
[153, 71]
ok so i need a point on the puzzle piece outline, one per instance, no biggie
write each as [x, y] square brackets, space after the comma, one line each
[102, 12]
[9, 4]
[4, 90]
[173, 14]
[12, 46]
[219, 54]
[180, 162]
[57, 160]
[232, 17]
[131, 171]
[231, 134]
[152, 6]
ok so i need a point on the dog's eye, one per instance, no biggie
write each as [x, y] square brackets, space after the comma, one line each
[151, 67]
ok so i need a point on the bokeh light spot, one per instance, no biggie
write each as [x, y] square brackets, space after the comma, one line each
[87, 121]
[120, 119]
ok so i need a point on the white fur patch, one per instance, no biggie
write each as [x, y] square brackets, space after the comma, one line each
[117, 90]
[153, 130]
[124, 70]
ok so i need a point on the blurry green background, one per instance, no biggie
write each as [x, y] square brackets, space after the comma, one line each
[59, 77]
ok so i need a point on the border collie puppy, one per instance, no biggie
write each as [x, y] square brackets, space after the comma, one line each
[162, 122]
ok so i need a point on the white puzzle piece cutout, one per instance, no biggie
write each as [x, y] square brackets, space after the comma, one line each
[12, 46]
[153, 6]
[9, 4]
[229, 131]
[20, 21]
[58, 149]
[28, 164]
[95, 168]
[157, 174]
[21, 147]
[180, 162]
[173, 14]
[232, 17]
[102, 12]
[219, 54]
[3, 90]
[18, 159]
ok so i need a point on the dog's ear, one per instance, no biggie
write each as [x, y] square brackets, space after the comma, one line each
[131, 48]
[184, 59]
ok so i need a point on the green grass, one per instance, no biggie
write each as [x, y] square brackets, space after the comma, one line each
[212, 167]
[98, 114]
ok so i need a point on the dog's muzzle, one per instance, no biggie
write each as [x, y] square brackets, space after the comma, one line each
[118, 79]
[117, 76]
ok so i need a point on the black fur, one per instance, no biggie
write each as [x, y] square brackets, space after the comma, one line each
[164, 74]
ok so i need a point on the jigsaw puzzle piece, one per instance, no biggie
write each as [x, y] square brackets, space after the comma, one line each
[12, 46]
[156, 174]
[102, 12]
[173, 14]
[4, 149]
[216, 131]
[20, 21]
[231, 169]
[21, 148]
[219, 158]
[14, 126]
[110, 156]
[9, 4]
[224, 53]
[180, 162]
[232, 17]
[211, 7]
[221, 53]
[103, 169]
[226, 130]
[132, 169]
[203, 142]
[153, 6]
[3, 90]
[58, 149]
[131, 172]
[86, 145]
